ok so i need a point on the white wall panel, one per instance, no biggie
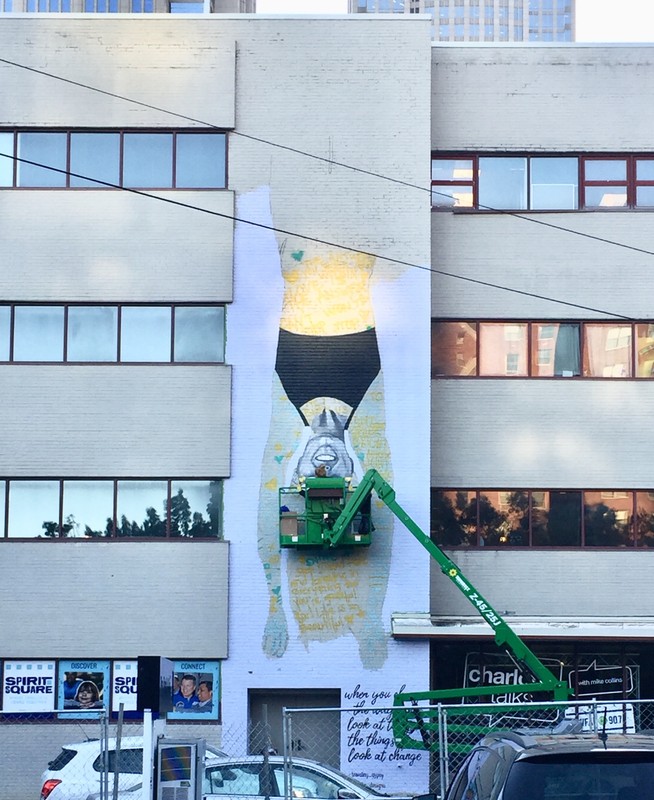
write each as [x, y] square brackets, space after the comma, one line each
[115, 421]
[557, 257]
[542, 98]
[557, 583]
[157, 71]
[114, 599]
[110, 246]
[546, 434]
[330, 88]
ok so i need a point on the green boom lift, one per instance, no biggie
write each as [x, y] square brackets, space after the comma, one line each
[330, 512]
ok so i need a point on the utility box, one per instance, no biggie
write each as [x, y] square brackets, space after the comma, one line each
[312, 507]
[180, 769]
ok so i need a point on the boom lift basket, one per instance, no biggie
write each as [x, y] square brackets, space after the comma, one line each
[310, 509]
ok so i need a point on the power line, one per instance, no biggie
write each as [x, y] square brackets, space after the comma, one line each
[336, 245]
[324, 159]
[206, 124]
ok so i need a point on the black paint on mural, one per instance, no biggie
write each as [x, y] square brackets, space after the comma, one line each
[342, 367]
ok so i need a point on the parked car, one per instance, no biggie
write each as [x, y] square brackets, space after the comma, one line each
[76, 771]
[259, 778]
[545, 766]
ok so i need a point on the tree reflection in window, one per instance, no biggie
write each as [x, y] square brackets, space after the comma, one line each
[452, 521]
[560, 522]
[184, 516]
[188, 509]
[607, 518]
[645, 518]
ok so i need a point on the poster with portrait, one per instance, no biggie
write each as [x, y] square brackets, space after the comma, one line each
[28, 686]
[82, 684]
[196, 690]
[124, 680]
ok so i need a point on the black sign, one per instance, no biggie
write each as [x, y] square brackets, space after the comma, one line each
[598, 681]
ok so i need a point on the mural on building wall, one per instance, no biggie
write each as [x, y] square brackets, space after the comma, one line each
[327, 414]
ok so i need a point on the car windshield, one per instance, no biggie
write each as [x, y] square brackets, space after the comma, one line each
[604, 775]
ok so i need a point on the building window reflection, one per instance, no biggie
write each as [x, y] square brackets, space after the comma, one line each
[545, 349]
[107, 508]
[113, 159]
[91, 334]
[553, 182]
[549, 518]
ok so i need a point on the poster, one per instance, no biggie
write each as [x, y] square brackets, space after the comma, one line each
[28, 686]
[82, 684]
[124, 685]
[196, 690]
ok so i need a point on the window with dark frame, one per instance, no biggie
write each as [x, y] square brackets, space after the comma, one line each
[179, 159]
[109, 508]
[549, 518]
[112, 333]
[541, 349]
[539, 182]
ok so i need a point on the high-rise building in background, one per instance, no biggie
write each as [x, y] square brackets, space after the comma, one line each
[485, 20]
[130, 6]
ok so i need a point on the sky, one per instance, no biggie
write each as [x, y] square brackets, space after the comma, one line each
[595, 23]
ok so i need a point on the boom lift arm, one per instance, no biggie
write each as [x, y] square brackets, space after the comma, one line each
[335, 526]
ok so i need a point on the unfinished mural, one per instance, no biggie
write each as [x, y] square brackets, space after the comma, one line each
[327, 419]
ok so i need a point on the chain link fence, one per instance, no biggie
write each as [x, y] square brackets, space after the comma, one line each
[76, 754]
[363, 741]
[82, 752]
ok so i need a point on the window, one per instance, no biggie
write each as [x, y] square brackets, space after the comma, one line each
[645, 350]
[502, 182]
[553, 349]
[608, 520]
[38, 333]
[454, 518]
[502, 348]
[6, 159]
[91, 334]
[607, 351]
[145, 334]
[542, 518]
[88, 507]
[113, 159]
[148, 159]
[200, 161]
[239, 779]
[131, 761]
[452, 182]
[33, 509]
[138, 508]
[453, 348]
[96, 155]
[108, 508]
[199, 334]
[503, 518]
[605, 183]
[42, 159]
[557, 182]
[644, 519]
[644, 182]
[553, 183]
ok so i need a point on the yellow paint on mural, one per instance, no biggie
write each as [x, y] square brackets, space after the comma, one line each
[328, 295]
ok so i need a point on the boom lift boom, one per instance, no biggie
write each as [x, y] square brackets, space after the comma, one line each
[335, 515]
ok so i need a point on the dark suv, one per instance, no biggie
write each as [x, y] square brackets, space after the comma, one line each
[540, 766]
